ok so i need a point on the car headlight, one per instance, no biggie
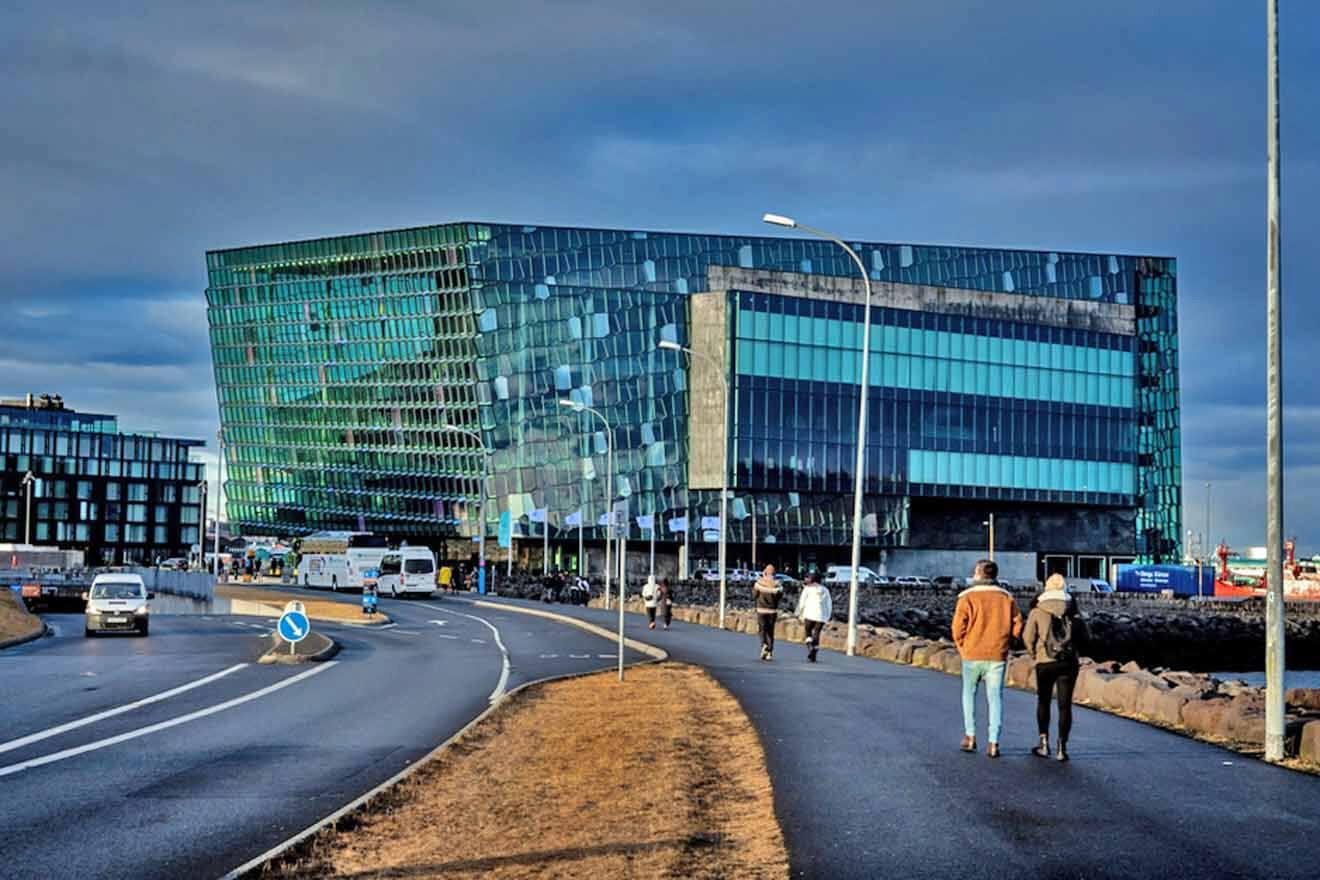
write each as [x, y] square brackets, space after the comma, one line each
[142, 610]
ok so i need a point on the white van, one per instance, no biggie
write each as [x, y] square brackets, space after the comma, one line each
[842, 574]
[407, 571]
[117, 603]
[333, 570]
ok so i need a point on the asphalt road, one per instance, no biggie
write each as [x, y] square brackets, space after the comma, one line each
[869, 781]
[236, 757]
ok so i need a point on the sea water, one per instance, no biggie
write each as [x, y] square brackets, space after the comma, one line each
[1293, 678]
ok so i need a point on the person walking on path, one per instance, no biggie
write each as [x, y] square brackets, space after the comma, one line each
[664, 597]
[650, 600]
[768, 592]
[815, 607]
[1055, 636]
[985, 620]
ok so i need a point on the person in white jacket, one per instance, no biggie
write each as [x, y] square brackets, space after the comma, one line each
[815, 607]
[651, 598]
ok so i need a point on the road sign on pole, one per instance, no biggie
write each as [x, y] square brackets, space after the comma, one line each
[294, 626]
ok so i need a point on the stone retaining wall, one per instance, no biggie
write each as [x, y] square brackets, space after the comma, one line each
[1228, 713]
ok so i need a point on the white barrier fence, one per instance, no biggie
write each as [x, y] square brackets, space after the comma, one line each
[195, 584]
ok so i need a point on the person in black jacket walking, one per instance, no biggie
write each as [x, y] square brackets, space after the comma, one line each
[1055, 636]
[768, 592]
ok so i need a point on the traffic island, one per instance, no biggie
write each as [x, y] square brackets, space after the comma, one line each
[314, 648]
[662, 775]
[17, 624]
[270, 603]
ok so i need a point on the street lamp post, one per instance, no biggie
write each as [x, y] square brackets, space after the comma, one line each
[205, 491]
[864, 389]
[219, 500]
[990, 523]
[481, 504]
[1274, 612]
[609, 502]
[724, 463]
[28, 481]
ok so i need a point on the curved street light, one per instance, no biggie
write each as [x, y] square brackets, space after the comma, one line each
[668, 345]
[579, 407]
[859, 470]
[485, 478]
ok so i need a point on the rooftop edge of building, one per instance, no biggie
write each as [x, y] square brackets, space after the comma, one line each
[616, 229]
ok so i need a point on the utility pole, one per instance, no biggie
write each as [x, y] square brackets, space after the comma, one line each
[991, 524]
[219, 499]
[1274, 618]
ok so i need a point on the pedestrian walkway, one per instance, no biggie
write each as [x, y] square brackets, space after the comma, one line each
[869, 781]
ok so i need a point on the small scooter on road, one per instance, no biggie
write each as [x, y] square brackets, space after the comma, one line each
[369, 600]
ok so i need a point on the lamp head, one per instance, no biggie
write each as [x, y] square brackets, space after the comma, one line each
[779, 220]
[572, 404]
[670, 345]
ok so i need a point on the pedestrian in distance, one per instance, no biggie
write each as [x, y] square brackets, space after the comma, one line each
[985, 621]
[1055, 636]
[768, 592]
[664, 598]
[815, 607]
[650, 600]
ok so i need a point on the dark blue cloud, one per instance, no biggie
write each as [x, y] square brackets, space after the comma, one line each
[138, 137]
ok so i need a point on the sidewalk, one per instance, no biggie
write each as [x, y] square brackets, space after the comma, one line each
[869, 780]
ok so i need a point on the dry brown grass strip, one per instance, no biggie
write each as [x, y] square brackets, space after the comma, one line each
[659, 776]
[322, 609]
[15, 620]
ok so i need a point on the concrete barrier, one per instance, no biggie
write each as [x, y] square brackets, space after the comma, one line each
[193, 584]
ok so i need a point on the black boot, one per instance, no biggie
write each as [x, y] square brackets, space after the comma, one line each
[1042, 749]
[1062, 754]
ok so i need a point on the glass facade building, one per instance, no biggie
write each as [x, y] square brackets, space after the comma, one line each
[1027, 382]
[118, 497]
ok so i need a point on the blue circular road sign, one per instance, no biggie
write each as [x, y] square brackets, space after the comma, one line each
[294, 626]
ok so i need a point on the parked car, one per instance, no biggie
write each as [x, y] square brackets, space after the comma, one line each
[913, 582]
[785, 580]
[117, 603]
[842, 574]
[948, 581]
[175, 563]
[708, 574]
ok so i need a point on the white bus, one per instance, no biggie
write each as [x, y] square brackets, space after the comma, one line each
[407, 571]
[337, 560]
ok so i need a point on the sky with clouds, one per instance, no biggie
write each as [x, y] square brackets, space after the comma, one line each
[137, 135]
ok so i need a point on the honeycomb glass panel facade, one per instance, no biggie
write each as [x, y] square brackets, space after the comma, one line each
[339, 360]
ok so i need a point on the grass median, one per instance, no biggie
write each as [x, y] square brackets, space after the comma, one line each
[16, 621]
[659, 776]
[317, 609]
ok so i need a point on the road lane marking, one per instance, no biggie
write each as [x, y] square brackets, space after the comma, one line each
[580, 656]
[118, 710]
[477, 641]
[441, 622]
[549, 656]
[164, 725]
[607, 656]
[503, 683]
[443, 636]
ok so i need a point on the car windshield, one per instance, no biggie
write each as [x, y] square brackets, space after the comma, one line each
[117, 591]
[418, 566]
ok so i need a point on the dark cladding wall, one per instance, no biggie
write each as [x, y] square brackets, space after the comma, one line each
[338, 359]
[117, 497]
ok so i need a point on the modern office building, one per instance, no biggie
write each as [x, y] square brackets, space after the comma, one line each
[1041, 387]
[118, 497]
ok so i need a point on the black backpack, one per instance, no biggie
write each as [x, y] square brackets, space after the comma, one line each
[1059, 638]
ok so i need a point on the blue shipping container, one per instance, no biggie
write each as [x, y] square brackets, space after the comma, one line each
[1156, 578]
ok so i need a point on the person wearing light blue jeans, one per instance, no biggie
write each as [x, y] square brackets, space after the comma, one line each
[993, 673]
[986, 620]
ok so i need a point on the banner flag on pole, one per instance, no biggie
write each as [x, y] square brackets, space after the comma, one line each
[506, 529]
[644, 521]
[603, 519]
[711, 522]
[538, 515]
[573, 519]
[678, 524]
[710, 537]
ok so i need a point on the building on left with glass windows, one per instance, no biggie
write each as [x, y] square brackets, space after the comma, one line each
[118, 497]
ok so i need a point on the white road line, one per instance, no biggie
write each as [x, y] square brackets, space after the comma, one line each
[549, 656]
[580, 656]
[118, 710]
[441, 622]
[477, 641]
[405, 632]
[504, 652]
[607, 656]
[443, 636]
[164, 725]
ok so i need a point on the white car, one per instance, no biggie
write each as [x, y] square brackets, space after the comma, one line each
[117, 603]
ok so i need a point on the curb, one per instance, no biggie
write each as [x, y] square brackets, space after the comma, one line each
[641, 647]
[23, 640]
[277, 653]
[656, 654]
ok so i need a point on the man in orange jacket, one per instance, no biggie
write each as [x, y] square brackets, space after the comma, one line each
[985, 621]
